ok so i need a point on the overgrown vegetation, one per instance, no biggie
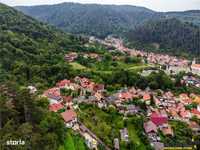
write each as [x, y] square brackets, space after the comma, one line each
[106, 124]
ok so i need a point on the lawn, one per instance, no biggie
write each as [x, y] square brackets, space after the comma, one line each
[77, 66]
[134, 137]
[103, 124]
[73, 141]
[139, 67]
[106, 124]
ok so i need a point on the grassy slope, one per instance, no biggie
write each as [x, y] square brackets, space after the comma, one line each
[106, 125]
[73, 142]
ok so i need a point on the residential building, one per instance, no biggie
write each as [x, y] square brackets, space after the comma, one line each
[55, 107]
[195, 127]
[124, 134]
[150, 127]
[158, 118]
[116, 144]
[70, 117]
[90, 141]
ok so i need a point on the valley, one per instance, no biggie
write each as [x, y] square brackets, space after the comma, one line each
[68, 91]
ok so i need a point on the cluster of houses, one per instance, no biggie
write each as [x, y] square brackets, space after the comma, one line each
[166, 107]
[158, 121]
[153, 58]
[176, 107]
[87, 91]
[72, 56]
[173, 64]
[128, 94]
[64, 104]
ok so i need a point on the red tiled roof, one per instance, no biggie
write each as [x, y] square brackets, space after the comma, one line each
[52, 92]
[158, 119]
[125, 95]
[98, 87]
[195, 112]
[63, 83]
[55, 107]
[195, 66]
[183, 95]
[68, 115]
[193, 125]
[184, 114]
[67, 99]
[146, 97]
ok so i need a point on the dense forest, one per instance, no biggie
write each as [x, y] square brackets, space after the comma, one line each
[91, 19]
[31, 53]
[169, 34]
[191, 16]
[101, 20]
[175, 32]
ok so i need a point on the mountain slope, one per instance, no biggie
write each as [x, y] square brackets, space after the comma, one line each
[192, 16]
[91, 19]
[30, 54]
[171, 34]
[101, 20]
[31, 51]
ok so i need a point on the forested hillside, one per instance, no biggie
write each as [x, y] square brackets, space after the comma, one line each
[192, 16]
[31, 53]
[102, 20]
[91, 19]
[169, 34]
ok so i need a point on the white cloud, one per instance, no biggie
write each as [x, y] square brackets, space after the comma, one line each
[159, 5]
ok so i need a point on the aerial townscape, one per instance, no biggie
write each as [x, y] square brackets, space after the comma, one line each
[97, 91]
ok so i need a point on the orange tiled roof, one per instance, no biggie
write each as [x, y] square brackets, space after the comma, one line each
[68, 115]
[146, 97]
[197, 99]
[195, 65]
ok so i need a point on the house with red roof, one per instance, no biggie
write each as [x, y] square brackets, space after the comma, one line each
[63, 83]
[159, 119]
[98, 87]
[196, 113]
[185, 114]
[147, 98]
[150, 127]
[70, 117]
[55, 107]
[185, 99]
[53, 95]
[125, 95]
[195, 127]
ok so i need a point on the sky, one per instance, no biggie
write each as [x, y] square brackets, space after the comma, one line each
[158, 5]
